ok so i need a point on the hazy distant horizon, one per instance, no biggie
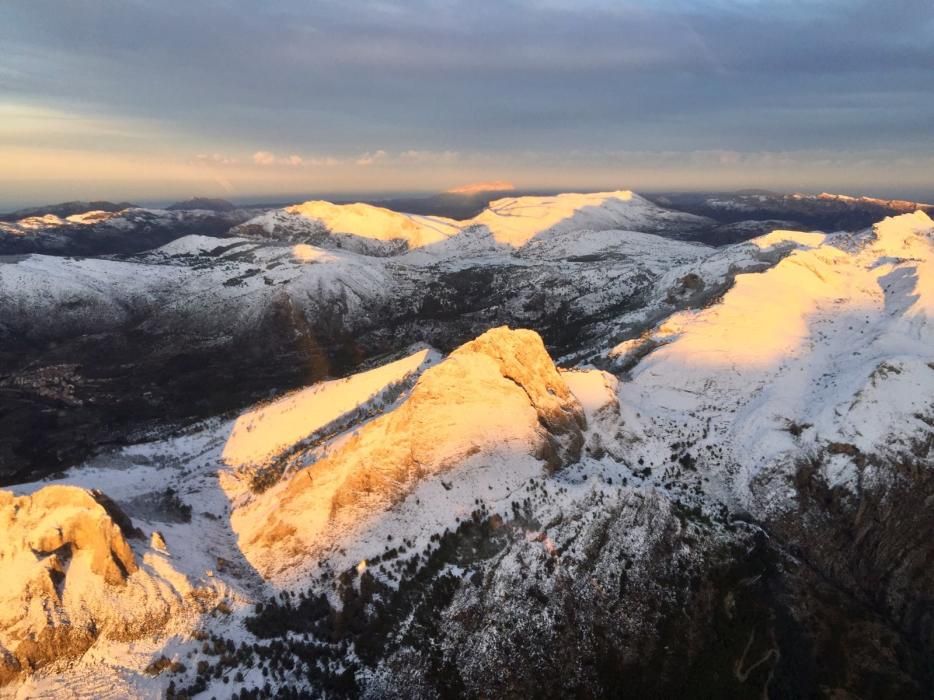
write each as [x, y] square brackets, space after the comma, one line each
[285, 198]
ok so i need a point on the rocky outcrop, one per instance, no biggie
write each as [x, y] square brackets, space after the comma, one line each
[496, 399]
[521, 358]
[70, 575]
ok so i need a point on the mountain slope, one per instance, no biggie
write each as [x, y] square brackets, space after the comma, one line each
[737, 504]
[511, 222]
[71, 577]
[835, 338]
[111, 231]
[453, 418]
[65, 210]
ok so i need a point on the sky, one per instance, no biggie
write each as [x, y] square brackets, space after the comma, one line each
[166, 99]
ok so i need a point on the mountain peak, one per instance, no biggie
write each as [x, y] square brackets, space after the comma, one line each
[70, 575]
[453, 419]
[511, 221]
[202, 204]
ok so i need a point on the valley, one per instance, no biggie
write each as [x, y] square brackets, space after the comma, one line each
[342, 451]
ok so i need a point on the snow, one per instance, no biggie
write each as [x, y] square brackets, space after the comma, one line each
[897, 204]
[451, 420]
[517, 220]
[200, 245]
[799, 239]
[507, 223]
[265, 431]
[595, 389]
[575, 244]
[102, 584]
[807, 341]
[196, 282]
[831, 333]
[376, 222]
[90, 217]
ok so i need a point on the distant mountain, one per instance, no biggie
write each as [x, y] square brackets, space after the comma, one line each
[452, 205]
[202, 203]
[825, 212]
[120, 232]
[481, 187]
[320, 301]
[65, 209]
[507, 221]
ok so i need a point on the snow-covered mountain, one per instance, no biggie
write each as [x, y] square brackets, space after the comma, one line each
[452, 420]
[73, 582]
[835, 339]
[742, 213]
[111, 231]
[510, 222]
[724, 488]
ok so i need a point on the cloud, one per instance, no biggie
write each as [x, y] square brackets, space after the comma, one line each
[369, 158]
[323, 162]
[436, 83]
[417, 156]
[477, 187]
[266, 158]
[215, 159]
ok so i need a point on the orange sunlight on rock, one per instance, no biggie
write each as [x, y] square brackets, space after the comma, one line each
[70, 576]
[264, 432]
[497, 395]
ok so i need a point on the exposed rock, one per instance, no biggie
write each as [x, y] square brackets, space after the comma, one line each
[157, 541]
[57, 522]
[496, 398]
[70, 576]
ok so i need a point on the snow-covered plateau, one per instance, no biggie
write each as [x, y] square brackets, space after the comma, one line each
[564, 448]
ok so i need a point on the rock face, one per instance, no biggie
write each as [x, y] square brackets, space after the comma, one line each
[496, 398]
[71, 576]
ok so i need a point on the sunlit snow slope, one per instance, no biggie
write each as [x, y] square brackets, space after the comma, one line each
[511, 222]
[834, 344]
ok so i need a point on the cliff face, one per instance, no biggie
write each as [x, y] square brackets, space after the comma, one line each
[70, 575]
[493, 400]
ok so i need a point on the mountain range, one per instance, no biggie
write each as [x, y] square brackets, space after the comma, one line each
[565, 445]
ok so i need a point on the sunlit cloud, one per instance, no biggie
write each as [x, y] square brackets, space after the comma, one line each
[324, 162]
[215, 159]
[477, 187]
[369, 158]
[265, 158]
[417, 156]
